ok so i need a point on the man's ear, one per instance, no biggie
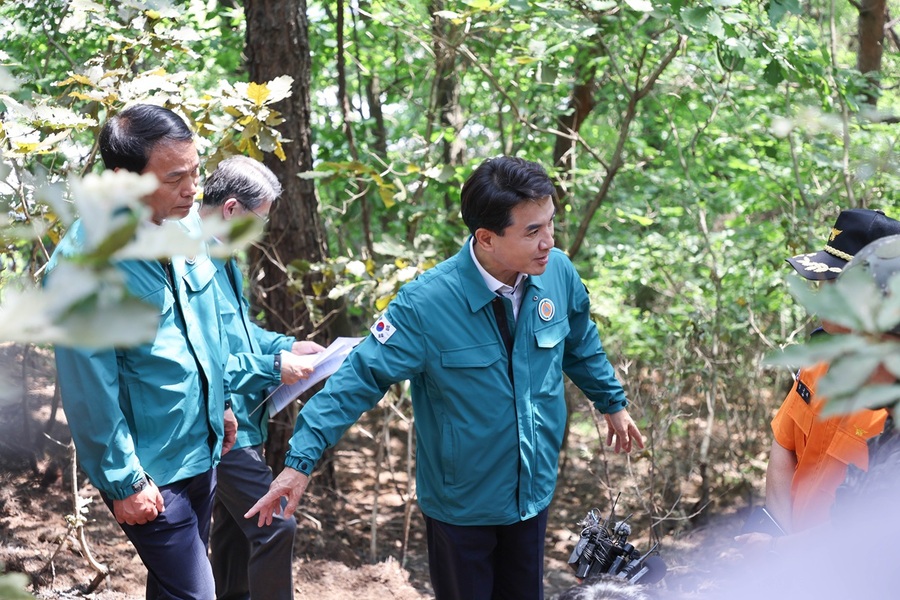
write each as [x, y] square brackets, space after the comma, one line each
[230, 208]
[484, 238]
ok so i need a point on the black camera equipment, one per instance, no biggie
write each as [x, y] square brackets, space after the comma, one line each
[603, 549]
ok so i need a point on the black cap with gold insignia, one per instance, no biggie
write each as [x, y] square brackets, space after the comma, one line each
[853, 230]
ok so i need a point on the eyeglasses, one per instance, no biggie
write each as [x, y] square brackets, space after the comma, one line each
[263, 218]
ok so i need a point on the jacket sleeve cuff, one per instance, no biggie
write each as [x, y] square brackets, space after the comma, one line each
[613, 407]
[299, 463]
[120, 492]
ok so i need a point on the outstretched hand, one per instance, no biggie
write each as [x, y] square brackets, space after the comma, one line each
[289, 484]
[622, 430]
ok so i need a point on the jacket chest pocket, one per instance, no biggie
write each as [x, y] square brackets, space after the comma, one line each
[849, 448]
[199, 275]
[552, 334]
[473, 357]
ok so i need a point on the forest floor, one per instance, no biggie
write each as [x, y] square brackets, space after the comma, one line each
[334, 555]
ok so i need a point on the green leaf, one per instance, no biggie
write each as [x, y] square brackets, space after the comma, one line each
[696, 17]
[779, 8]
[12, 587]
[847, 375]
[828, 302]
[817, 350]
[773, 73]
[872, 397]
[714, 26]
[127, 322]
[639, 219]
[116, 239]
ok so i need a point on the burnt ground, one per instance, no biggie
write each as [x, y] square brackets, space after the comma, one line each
[347, 546]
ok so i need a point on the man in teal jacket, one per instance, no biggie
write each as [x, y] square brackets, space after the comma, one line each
[150, 422]
[485, 338]
[249, 561]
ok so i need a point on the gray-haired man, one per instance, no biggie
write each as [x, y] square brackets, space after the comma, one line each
[249, 561]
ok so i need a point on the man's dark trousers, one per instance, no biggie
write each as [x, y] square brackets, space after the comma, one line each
[173, 546]
[501, 562]
[249, 561]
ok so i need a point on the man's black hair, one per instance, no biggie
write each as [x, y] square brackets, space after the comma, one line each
[128, 138]
[499, 184]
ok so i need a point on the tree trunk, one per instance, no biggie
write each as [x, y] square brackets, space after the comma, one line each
[446, 99]
[871, 22]
[278, 44]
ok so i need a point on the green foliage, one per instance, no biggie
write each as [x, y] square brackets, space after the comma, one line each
[107, 55]
[858, 304]
[12, 586]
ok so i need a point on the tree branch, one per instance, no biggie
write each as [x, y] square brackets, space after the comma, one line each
[616, 162]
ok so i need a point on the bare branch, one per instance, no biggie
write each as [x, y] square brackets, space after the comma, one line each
[615, 164]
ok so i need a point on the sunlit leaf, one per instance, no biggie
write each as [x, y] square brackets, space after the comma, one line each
[387, 196]
[382, 302]
[407, 273]
[170, 238]
[107, 200]
[602, 5]
[280, 88]
[128, 322]
[639, 219]
[639, 5]
[257, 93]
[315, 174]
[231, 235]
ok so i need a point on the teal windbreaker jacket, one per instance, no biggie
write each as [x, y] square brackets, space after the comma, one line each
[487, 449]
[155, 409]
[251, 366]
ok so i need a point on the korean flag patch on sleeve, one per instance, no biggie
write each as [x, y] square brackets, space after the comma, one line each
[382, 329]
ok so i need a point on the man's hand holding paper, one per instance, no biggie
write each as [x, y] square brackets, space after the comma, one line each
[315, 368]
[296, 367]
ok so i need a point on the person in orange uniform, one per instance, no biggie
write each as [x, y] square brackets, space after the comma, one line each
[809, 456]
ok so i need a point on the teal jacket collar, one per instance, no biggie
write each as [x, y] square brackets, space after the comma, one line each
[477, 293]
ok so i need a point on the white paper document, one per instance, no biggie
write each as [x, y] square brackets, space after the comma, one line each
[325, 363]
